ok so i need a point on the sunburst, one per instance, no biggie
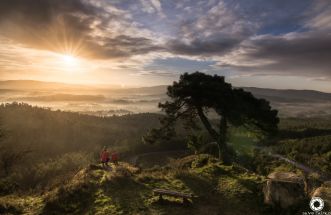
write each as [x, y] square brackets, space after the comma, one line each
[69, 59]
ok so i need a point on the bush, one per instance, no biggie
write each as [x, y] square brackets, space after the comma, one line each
[7, 186]
[52, 171]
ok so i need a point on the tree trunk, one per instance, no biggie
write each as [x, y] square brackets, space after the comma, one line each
[207, 124]
[223, 147]
[220, 138]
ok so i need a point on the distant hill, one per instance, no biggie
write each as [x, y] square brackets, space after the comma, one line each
[36, 85]
[273, 95]
[18, 85]
[155, 90]
[277, 95]
[63, 97]
[289, 103]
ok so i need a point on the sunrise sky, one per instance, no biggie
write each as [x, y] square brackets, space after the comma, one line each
[262, 43]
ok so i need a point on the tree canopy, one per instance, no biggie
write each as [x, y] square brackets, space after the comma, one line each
[197, 93]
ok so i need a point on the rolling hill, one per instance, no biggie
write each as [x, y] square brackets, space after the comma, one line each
[273, 95]
[289, 102]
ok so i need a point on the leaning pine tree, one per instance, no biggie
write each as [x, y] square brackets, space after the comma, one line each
[197, 93]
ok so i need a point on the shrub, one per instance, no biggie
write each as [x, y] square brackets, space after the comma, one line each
[52, 171]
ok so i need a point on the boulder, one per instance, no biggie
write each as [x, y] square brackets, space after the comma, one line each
[284, 189]
[324, 192]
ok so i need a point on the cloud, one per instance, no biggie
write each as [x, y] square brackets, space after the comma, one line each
[125, 46]
[81, 27]
[320, 16]
[254, 37]
[27, 20]
[216, 32]
[157, 73]
[304, 51]
[152, 6]
[298, 54]
[203, 47]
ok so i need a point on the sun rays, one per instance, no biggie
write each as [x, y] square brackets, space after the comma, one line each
[62, 39]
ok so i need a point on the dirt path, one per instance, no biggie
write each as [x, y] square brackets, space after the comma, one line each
[301, 166]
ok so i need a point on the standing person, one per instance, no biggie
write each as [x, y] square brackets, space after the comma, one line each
[104, 157]
[114, 157]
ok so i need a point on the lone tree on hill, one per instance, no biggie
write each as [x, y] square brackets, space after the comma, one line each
[197, 93]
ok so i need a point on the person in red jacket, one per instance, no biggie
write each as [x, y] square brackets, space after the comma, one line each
[114, 157]
[104, 157]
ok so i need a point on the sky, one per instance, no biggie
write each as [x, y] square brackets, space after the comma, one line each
[260, 43]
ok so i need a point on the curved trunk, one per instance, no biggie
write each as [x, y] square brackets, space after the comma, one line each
[220, 138]
[207, 124]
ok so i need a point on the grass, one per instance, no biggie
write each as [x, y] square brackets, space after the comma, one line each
[218, 189]
[16, 204]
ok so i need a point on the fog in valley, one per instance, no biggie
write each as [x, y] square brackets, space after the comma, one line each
[103, 101]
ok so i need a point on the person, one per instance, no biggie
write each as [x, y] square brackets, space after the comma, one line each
[104, 157]
[114, 157]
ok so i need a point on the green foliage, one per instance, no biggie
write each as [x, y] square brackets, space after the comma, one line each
[218, 189]
[305, 140]
[195, 142]
[72, 197]
[42, 147]
[51, 133]
[7, 208]
[312, 151]
[21, 204]
[7, 186]
[51, 172]
[198, 90]
[197, 93]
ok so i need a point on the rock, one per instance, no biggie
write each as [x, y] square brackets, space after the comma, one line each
[284, 189]
[324, 192]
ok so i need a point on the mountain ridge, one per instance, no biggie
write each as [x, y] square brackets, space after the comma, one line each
[14, 83]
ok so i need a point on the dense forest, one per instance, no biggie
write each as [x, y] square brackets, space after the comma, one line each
[305, 140]
[40, 147]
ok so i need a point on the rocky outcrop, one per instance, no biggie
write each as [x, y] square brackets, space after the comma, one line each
[324, 192]
[284, 189]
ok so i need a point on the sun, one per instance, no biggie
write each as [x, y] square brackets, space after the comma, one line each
[69, 63]
[69, 59]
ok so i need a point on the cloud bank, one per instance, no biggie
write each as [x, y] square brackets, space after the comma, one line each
[285, 38]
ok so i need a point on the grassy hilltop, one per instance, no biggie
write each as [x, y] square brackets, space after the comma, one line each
[128, 190]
